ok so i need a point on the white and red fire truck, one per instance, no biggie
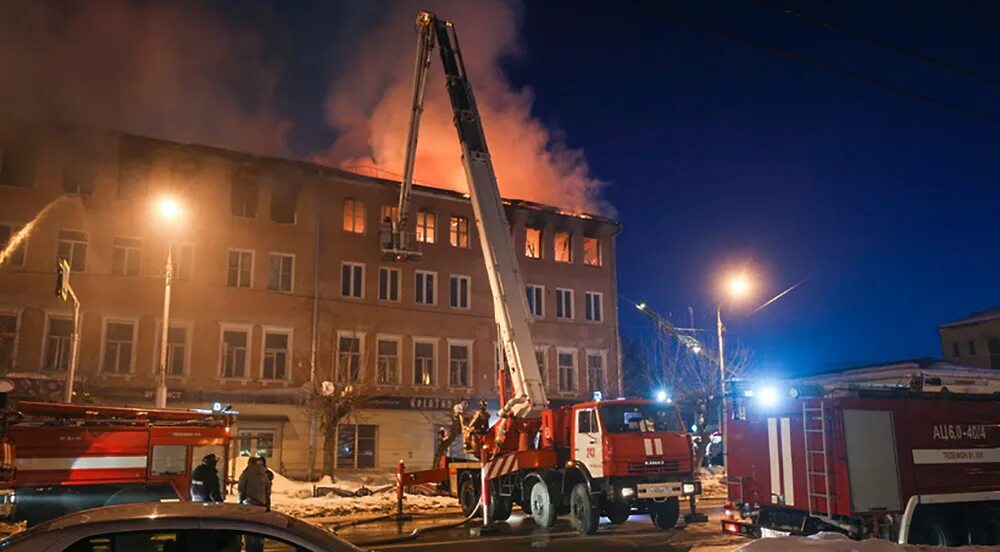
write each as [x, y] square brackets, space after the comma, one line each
[903, 454]
[70, 457]
[602, 458]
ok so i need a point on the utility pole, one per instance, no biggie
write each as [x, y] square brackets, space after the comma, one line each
[65, 291]
[161, 388]
[722, 389]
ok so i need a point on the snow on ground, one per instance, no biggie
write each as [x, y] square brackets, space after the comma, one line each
[352, 493]
[836, 542]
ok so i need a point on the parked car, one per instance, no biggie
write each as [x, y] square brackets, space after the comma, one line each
[175, 527]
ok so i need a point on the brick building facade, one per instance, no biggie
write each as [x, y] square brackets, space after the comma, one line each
[279, 285]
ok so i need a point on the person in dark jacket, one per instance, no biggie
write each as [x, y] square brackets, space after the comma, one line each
[205, 485]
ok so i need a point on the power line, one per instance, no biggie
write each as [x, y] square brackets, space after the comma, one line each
[802, 58]
[892, 46]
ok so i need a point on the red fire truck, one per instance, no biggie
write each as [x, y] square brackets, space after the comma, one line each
[72, 457]
[912, 457]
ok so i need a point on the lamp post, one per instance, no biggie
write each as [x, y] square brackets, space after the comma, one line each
[736, 287]
[169, 210]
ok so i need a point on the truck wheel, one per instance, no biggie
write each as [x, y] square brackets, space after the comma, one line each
[932, 530]
[618, 512]
[543, 511]
[585, 515]
[665, 514]
[500, 508]
[468, 496]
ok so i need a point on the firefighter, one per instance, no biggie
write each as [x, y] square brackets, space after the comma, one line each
[205, 485]
[478, 426]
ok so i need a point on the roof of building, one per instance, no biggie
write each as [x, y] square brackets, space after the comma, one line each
[899, 369]
[357, 173]
[975, 318]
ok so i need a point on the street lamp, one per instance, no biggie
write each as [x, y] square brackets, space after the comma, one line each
[170, 212]
[736, 286]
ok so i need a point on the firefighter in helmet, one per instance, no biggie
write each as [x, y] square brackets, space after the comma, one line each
[478, 426]
[205, 485]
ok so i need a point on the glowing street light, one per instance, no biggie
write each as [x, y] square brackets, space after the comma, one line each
[737, 286]
[170, 211]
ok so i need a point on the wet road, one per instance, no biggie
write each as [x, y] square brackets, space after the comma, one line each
[521, 533]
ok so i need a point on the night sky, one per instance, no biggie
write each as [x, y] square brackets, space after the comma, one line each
[722, 154]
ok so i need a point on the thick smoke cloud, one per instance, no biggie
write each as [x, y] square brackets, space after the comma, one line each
[169, 69]
[370, 106]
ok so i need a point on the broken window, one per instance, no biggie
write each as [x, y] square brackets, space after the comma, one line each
[564, 247]
[459, 231]
[533, 243]
[284, 200]
[591, 251]
[243, 199]
[78, 179]
[354, 216]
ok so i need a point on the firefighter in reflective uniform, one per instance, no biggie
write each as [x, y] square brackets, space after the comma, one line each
[205, 485]
[478, 426]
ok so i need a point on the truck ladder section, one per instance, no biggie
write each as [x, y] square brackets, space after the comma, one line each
[814, 433]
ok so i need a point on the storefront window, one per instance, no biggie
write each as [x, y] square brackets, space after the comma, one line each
[355, 446]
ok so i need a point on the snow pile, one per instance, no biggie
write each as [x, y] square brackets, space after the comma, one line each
[836, 542]
[713, 482]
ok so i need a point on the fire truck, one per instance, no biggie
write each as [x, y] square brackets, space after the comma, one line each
[70, 457]
[600, 458]
[906, 454]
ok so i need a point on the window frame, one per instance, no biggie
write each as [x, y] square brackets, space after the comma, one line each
[398, 340]
[398, 287]
[575, 381]
[541, 237]
[353, 283]
[246, 329]
[468, 291]
[133, 345]
[455, 233]
[45, 343]
[543, 366]
[253, 261]
[433, 342]
[355, 204]
[5, 311]
[603, 355]
[127, 249]
[357, 439]
[417, 287]
[176, 249]
[555, 246]
[291, 276]
[539, 302]
[349, 334]
[73, 245]
[592, 299]
[561, 304]
[600, 251]
[188, 327]
[289, 333]
[420, 227]
[468, 344]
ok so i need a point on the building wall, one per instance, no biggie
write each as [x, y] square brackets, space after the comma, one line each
[202, 303]
[974, 344]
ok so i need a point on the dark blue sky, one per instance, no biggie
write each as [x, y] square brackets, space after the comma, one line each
[720, 153]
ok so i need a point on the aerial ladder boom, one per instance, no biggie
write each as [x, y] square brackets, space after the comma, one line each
[506, 284]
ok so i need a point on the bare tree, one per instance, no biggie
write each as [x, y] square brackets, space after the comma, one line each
[341, 396]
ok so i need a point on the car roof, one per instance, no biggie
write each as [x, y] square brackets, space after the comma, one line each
[219, 511]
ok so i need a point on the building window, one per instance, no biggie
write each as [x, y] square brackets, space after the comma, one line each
[284, 202]
[78, 179]
[564, 247]
[388, 284]
[458, 364]
[119, 340]
[591, 251]
[176, 351]
[387, 371]
[57, 344]
[352, 280]
[424, 287]
[459, 231]
[125, 257]
[994, 348]
[17, 165]
[567, 371]
[355, 446]
[426, 226]
[182, 257]
[459, 288]
[542, 368]
[533, 243]
[234, 353]
[240, 273]
[8, 337]
[536, 301]
[16, 257]
[354, 216]
[348, 358]
[594, 300]
[276, 356]
[423, 363]
[972, 348]
[955, 352]
[564, 304]
[72, 246]
[280, 271]
[595, 371]
[243, 196]
[390, 212]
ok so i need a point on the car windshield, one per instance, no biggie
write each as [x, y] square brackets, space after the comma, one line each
[642, 418]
